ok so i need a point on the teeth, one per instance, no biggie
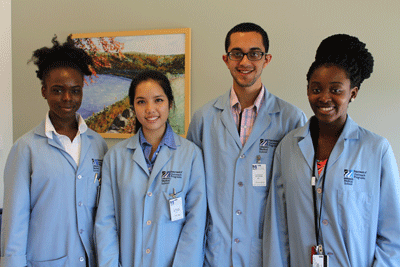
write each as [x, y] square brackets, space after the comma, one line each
[152, 119]
[326, 109]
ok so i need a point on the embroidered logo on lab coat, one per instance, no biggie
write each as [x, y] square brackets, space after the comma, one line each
[97, 163]
[167, 175]
[350, 175]
[266, 143]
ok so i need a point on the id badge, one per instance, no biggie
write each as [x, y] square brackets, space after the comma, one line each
[176, 209]
[259, 175]
[320, 261]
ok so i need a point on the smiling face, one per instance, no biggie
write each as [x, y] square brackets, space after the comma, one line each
[329, 93]
[151, 107]
[62, 88]
[246, 74]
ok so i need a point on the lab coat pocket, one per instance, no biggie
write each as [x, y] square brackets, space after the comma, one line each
[255, 253]
[93, 183]
[61, 262]
[354, 210]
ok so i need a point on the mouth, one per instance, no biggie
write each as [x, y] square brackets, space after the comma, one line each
[325, 109]
[152, 119]
[244, 71]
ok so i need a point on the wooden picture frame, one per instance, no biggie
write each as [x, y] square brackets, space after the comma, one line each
[118, 56]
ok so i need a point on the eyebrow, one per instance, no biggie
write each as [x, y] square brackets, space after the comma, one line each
[253, 48]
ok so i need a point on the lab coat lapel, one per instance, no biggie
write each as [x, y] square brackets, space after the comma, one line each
[162, 158]
[350, 131]
[305, 144]
[226, 117]
[85, 146]
[138, 156]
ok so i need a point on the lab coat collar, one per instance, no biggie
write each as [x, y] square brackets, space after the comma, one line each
[350, 131]
[262, 122]
[55, 142]
[163, 157]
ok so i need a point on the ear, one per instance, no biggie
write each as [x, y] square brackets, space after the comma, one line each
[225, 59]
[43, 92]
[354, 92]
[268, 58]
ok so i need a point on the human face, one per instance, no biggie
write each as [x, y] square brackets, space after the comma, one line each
[151, 107]
[246, 74]
[62, 88]
[329, 92]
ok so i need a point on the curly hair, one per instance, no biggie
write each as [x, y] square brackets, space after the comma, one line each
[61, 55]
[346, 52]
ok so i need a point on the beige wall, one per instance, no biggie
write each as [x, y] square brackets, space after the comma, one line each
[295, 28]
[6, 132]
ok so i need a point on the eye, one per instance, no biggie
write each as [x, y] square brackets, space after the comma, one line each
[56, 90]
[77, 91]
[159, 100]
[336, 90]
[315, 90]
[139, 102]
[237, 53]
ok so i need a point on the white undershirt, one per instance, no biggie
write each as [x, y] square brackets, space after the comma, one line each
[73, 148]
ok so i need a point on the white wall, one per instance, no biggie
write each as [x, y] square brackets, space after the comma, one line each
[6, 138]
[295, 28]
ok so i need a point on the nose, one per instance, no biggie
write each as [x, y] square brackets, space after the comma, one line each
[67, 95]
[325, 96]
[245, 60]
[149, 108]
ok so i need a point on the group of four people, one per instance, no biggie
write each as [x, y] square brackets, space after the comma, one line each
[279, 190]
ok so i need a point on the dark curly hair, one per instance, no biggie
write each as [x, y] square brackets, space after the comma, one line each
[347, 53]
[64, 55]
[156, 76]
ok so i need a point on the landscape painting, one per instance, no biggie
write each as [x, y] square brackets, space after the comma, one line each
[117, 57]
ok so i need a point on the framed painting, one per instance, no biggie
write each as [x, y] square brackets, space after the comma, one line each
[117, 57]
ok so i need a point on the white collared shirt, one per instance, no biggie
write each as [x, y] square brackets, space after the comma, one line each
[73, 148]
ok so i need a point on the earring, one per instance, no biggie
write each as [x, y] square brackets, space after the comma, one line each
[352, 99]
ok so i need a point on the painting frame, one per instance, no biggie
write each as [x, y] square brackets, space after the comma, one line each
[185, 113]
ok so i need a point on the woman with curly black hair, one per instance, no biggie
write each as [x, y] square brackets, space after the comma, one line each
[52, 172]
[335, 189]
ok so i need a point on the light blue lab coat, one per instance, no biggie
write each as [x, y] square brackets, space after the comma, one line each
[133, 223]
[236, 207]
[49, 202]
[360, 217]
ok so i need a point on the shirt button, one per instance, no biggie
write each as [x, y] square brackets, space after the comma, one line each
[237, 240]
[79, 177]
[245, 126]
[238, 212]
[80, 203]
[81, 259]
[148, 251]
[325, 222]
[148, 222]
[319, 190]
[149, 194]
[240, 184]
[242, 156]
[81, 231]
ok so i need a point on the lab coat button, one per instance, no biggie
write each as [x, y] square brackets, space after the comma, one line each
[319, 190]
[237, 240]
[148, 222]
[80, 203]
[242, 156]
[325, 222]
[79, 177]
[148, 251]
[149, 194]
[81, 259]
[238, 212]
[240, 184]
[81, 231]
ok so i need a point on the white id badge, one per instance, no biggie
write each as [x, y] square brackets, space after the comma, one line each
[259, 175]
[176, 209]
[320, 261]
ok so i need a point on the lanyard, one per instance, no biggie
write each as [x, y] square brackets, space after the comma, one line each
[317, 224]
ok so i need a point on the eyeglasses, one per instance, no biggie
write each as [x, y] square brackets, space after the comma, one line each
[237, 55]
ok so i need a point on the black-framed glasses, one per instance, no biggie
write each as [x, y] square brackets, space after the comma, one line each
[237, 55]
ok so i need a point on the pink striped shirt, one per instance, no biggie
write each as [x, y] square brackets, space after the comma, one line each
[248, 114]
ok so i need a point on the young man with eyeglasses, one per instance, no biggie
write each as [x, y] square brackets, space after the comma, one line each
[238, 133]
